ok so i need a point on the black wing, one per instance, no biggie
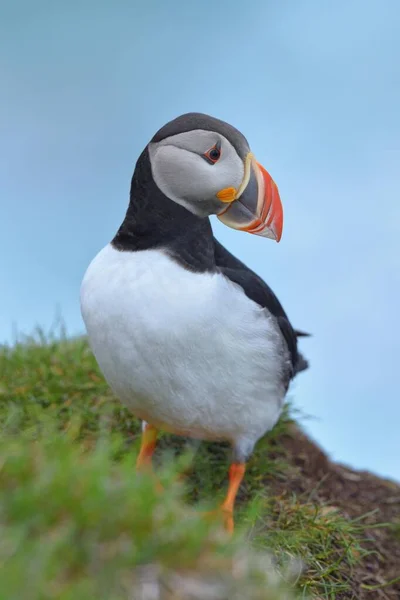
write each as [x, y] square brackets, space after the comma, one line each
[257, 290]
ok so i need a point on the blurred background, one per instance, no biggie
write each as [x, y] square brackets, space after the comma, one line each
[315, 87]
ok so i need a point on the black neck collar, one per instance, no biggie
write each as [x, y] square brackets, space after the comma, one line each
[154, 221]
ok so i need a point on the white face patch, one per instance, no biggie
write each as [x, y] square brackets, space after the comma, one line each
[183, 175]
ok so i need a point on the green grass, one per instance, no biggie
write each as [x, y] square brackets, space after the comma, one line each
[76, 522]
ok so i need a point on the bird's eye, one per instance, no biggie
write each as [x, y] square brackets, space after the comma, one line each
[213, 154]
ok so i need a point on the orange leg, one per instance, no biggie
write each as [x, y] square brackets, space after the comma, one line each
[236, 474]
[147, 447]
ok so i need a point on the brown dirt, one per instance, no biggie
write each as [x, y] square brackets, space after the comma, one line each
[314, 478]
[355, 493]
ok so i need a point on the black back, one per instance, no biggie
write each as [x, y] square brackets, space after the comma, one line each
[257, 290]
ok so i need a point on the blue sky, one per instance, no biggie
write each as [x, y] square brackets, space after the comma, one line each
[314, 86]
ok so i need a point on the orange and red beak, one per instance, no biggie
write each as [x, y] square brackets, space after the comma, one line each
[256, 206]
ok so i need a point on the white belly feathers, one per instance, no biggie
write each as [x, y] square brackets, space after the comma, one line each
[184, 351]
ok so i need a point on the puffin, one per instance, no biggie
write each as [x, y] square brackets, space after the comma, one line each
[187, 336]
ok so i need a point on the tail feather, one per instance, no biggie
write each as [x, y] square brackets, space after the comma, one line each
[302, 333]
[302, 363]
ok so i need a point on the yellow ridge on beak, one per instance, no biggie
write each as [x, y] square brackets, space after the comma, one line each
[230, 194]
[247, 170]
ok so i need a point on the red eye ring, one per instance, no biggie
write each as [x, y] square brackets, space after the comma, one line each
[213, 154]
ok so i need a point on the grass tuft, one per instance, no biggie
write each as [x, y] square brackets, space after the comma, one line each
[76, 522]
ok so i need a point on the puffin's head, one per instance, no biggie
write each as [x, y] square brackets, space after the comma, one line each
[206, 165]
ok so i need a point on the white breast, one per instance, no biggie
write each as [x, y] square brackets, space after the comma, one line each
[184, 351]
